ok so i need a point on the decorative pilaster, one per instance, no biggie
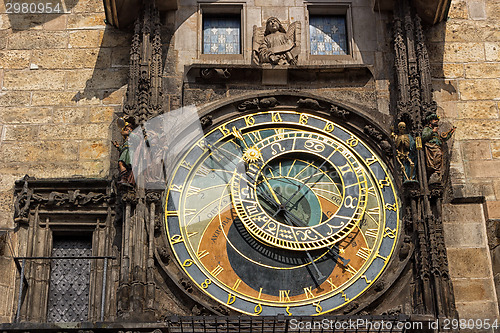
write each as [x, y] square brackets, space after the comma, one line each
[433, 291]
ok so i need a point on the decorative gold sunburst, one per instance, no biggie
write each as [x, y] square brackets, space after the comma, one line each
[252, 155]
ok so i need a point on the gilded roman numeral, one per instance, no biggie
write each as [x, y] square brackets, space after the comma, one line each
[345, 169]
[330, 282]
[237, 284]
[193, 190]
[202, 254]
[308, 292]
[255, 137]
[364, 253]
[284, 295]
[217, 270]
[371, 233]
[203, 171]
[351, 269]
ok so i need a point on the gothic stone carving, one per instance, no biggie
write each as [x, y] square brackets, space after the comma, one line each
[274, 45]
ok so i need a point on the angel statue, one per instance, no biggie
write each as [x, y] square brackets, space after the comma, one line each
[275, 45]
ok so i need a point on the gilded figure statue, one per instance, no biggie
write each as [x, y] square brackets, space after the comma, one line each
[406, 152]
[433, 142]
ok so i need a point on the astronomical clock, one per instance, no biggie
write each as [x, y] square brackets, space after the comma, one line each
[281, 212]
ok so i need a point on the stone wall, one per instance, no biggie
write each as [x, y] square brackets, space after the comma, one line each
[465, 57]
[62, 80]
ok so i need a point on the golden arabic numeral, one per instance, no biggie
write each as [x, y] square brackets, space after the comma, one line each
[329, 127]
[384, 182]
[231, 299]
[308, 292]
[205, 284]
[172, 213]
[257, 309]
[187, 262]
[303, 119]
[276, 117]
[224, 130]
[388, 232]
[353, 141]
[284, 295]
[186, 165]
[192, 233]
[217, 270]
[249, 120]
[176, 239]
[366, 279]
[392, 207]
[381, 257]
[371, 160]
[288, 311]
[318, 307]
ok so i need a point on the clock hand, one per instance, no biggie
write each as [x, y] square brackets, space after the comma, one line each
[303, 184]
[299, 223]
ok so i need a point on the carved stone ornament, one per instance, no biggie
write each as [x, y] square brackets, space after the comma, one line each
[257, 104]
[309, 103]
[275, 45]
[337, 112]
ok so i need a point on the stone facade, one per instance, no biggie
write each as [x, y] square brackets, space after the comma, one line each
[465, 61]
[63, 79]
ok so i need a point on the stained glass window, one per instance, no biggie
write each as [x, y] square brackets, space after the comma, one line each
[221, 35]
[328, 35]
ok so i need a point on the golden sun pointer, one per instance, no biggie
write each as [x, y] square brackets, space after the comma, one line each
[251, 155]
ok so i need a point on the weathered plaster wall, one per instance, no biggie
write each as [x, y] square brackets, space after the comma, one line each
[465, 57]
[62, 79]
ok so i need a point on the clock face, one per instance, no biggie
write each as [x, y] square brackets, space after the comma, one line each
[282, 212]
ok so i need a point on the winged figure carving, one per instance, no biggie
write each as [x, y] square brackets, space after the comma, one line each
[275, 45]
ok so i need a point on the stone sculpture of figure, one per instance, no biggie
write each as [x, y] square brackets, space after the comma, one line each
[125, 160]
[275, 45]
[433, 142]
[406, 152]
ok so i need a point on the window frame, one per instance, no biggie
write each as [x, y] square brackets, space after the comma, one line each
[220, 9]
[331, 9]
